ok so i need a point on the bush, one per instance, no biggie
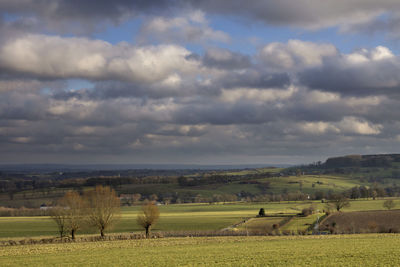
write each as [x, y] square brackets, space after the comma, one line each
[261, 213]
[307, 211]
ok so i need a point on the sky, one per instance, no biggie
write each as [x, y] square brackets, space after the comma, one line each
[198, 82]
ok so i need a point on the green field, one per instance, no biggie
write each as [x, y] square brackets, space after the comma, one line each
[339, 250]
[260, 224]
[184, 217]
[301, 223]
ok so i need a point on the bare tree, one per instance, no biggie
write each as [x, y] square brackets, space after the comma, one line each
[148, 217]
[338, 202]
[60, 217]
[389, 204]
[73, 204]
[102, 207]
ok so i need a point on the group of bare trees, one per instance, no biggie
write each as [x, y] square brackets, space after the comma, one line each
[99, 208]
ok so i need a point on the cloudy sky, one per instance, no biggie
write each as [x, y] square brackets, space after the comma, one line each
[206, 82]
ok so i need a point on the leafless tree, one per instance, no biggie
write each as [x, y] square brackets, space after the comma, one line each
[102, 207]
[148, 217]
[60, 217]
[73, 204]
[338, 202]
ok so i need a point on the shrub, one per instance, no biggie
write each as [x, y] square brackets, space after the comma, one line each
[389, 204]
[261, 213]
[307, 211]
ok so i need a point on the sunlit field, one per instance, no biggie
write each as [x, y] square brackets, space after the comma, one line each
[338, 250]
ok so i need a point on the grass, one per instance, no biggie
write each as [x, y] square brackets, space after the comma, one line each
[343, 250]
[300, 223]
[312, 183]
[260, 224]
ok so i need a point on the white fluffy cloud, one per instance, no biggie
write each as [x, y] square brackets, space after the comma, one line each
[191, 28]
[348, 125]
[63, 58]
[296, 54]
[359, 126]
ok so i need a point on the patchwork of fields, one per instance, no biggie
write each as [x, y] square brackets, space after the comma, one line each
[307, 184]
[185, 217]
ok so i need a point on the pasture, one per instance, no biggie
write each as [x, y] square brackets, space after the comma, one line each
[338, 250]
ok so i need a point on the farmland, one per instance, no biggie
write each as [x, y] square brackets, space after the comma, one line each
[306, 184]
[363, 221]
[343, 250]
[185, 217]
[223, 229]
[377, 173]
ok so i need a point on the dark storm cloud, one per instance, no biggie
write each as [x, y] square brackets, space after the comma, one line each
[389, 25]
[22, 106]
[221, 113]
[303, 13]
[225, 59]
[256, 78]
[62, 15]
[371, 77]
[65, 15]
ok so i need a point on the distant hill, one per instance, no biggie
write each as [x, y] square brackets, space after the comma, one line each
[47, 168]
[380, 160]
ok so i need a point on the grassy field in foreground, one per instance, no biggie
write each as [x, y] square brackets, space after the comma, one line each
[343, 250]
[183, 217]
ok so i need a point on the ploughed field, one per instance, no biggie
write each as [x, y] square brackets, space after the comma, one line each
[363, 222]
[334, 250]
